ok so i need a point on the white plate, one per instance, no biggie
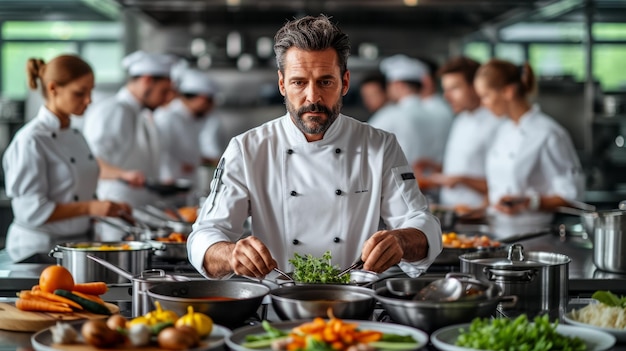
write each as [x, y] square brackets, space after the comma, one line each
[445, 338]
[238, 337]
[619, 334]
[42, 340]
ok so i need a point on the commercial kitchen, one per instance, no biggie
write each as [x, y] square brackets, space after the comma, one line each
[576, 48]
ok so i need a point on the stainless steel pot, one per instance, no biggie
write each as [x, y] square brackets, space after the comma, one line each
[432, 315]
[539, 279]
[141, 303]
[315, 300]
[607, 229]
[170, 250]
[132, 256]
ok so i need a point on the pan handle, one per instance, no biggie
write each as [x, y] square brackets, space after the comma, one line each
[508, 302]
[56, 253]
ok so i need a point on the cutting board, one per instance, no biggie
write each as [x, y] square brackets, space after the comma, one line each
[14, 319]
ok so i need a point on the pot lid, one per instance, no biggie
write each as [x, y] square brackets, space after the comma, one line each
[517, 258]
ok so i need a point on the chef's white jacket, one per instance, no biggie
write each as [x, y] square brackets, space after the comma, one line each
[535, 156]
[471, 135]
[45, 165]
[213, 138]
[179, 137]
[310, 197]
[420, 132]
[123, 135]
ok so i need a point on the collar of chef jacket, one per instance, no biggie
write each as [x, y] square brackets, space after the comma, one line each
[48, 119]
[525, 122]
[124, 95]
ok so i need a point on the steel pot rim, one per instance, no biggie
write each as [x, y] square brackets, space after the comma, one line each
[134, 246]
[157, 296]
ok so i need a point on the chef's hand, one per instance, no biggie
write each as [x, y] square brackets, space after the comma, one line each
[512, 205]
[381, 251]
[251, 258]
[109, 209]
[134, 178]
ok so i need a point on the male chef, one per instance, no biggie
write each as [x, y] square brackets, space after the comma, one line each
[313, 180]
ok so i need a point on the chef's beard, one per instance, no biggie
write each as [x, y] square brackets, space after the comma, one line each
[315, 125]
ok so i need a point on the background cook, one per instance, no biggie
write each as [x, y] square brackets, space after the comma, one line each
[122, 135]
[313, 180]
[50, 172]
[532, 166]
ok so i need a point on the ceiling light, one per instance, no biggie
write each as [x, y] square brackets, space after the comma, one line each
[411, 2]
[233, 3]
[245, 62]
[368, 51]
[233, 44]
[264, 47]
[198, 47]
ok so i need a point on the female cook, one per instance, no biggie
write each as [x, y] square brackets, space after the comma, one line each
[532, 167]
[50, 173]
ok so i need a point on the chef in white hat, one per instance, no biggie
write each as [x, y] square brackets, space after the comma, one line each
[122, 135]
[181, 122]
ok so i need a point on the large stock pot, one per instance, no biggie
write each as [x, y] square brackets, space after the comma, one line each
[132, 256]
[538, 279]
[607, 229]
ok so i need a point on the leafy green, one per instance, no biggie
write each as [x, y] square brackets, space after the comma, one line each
[517, 335]
[310, 269]
[609, 299]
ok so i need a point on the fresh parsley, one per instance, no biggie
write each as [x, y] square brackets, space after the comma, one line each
[310, 269]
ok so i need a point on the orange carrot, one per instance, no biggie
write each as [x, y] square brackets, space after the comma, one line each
[41, 306]
[93, 298]
[55, 298]
[93, 288]
[35, 288]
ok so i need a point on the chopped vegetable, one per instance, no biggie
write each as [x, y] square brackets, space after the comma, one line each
[517, 334]
[91, 288]
[609, 299]
[310, 269]
[326, 335]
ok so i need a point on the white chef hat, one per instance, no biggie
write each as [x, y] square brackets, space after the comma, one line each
[192, 81]
[402, 67]
[141, 63]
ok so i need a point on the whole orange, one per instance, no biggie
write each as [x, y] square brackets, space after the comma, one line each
[56, 277]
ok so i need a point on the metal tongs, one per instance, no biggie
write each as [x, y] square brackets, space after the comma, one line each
[356, 265]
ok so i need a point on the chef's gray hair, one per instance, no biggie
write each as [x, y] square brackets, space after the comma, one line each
[312, 34]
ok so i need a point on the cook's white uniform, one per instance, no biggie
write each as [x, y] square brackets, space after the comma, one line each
[179, 137]
[213, 138]
[121, 134]
[535, 156]
[411, 125]
[45, 165]
[437, 122]
[471, 135]
[312, 197]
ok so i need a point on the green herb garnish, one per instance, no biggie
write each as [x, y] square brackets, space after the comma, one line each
[309, 269]
[609, 299]
[517, 335]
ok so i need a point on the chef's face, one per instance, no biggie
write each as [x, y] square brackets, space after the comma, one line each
[201, 105]
[493, 99]
[156, 92]
[313, 88]
[74, 97]
[459, 93]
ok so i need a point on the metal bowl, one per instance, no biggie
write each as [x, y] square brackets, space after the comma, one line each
[242, 298]
[315, 300]
[430, 315]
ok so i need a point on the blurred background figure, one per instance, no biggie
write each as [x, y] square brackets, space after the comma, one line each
[51, 174]
[373, 91]
[532, 167]
[121, 132]
[462, 174]
[181, 122]
[406, 118]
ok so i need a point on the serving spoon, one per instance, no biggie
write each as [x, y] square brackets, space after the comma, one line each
[447, 289]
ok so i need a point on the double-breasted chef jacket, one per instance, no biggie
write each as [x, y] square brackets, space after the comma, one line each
[120, 132]
[45, 165]
[310, 197]
[535, 156]
[470, 137]
[179, 138]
